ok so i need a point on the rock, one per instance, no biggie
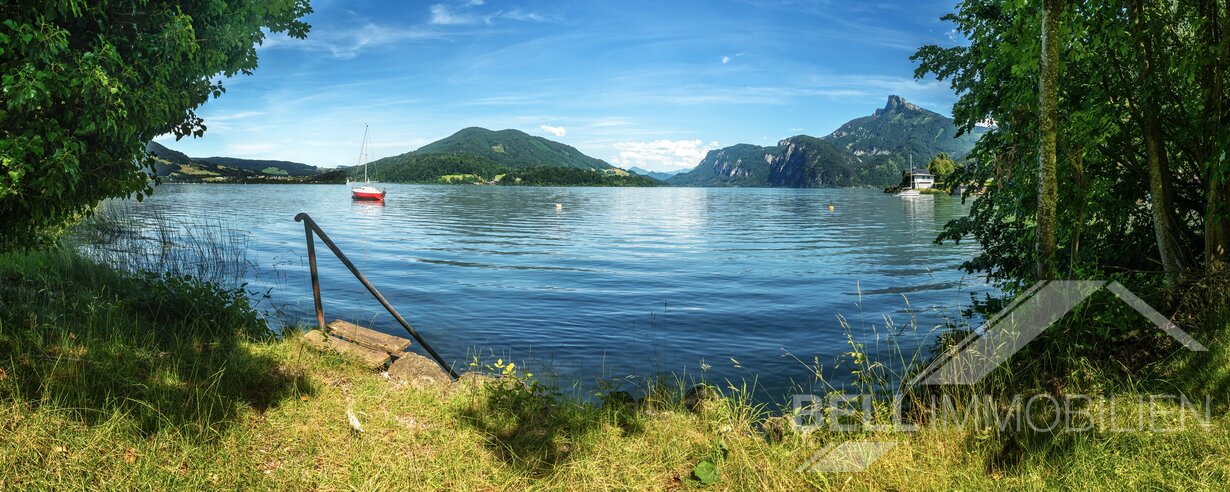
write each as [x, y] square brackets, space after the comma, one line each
[696, 398]
[619, 399]
[474, 379]
[417, 370]
[777, 428]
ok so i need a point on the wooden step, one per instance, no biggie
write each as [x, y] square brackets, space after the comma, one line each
[367, 337]
[368, 357]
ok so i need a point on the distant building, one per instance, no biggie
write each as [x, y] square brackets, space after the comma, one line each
[920, 179]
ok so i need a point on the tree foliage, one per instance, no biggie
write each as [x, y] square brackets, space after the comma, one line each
[87, 84]
[941, 166]
[1116, 101]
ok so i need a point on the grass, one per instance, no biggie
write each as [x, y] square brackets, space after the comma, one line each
[449, 178]
[124, 380]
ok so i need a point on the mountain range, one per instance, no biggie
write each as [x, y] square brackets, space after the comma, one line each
[660, 176]
[177, 166]
[868, 151]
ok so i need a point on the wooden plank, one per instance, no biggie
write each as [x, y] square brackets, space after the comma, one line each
[368, 357]
[368, 337]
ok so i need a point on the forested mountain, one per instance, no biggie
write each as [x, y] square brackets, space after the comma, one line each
[178, 167]
[511, 148]
[809, 162]
[506, 157]
[276, 168]
[660, 176]
[868, 151]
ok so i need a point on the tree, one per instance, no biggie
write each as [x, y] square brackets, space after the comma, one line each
[1165, 223]
[1116, 159]
[941, 166]
[1048, 92]
[87, 85]
[1214, 25]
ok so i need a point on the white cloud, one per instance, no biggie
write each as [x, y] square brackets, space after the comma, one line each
[725, 60]
[442, 16]
[662, 155]
[558, 131]
[474, 3]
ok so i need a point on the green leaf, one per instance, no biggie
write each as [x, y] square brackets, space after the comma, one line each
[705, 472]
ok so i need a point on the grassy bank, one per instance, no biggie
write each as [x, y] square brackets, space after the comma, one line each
[118, 380]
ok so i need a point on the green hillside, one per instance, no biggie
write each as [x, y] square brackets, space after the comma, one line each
[511, 148]
[469, 168]
[271, 167]
[505, 157]
[175, 166]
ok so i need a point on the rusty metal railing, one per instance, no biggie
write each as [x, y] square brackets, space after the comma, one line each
[310, 228]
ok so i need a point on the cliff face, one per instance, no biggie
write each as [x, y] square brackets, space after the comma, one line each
[867, 151]
[739, 165]
[809, 162]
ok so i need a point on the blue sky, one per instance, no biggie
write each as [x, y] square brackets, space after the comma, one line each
[648, 83]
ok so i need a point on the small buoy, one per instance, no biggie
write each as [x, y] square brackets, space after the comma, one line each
[559, 206]
[832, 208]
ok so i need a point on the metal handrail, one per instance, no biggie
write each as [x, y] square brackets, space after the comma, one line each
[310, 227]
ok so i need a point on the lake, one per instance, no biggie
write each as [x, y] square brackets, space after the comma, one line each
[618, 284]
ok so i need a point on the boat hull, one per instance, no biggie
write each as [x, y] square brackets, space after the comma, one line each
[367, 195]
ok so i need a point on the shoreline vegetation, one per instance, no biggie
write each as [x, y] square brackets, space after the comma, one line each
[115, 377]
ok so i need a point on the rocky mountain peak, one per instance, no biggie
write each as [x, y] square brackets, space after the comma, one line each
[897, 103]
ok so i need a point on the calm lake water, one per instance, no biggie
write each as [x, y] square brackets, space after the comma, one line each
[728, 284]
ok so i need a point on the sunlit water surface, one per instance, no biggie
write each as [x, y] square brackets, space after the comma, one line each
[617, 284]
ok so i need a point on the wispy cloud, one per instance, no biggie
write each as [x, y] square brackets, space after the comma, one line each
[509, 100]
[347, 42]
[442, 15]
[466, 14]
[233, 116]
[521, 15]
[729, 58]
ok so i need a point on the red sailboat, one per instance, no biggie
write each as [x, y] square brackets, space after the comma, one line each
[365, 191]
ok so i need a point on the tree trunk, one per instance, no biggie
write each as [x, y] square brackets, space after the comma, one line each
[1048, 94]
[1217, 169]
[1165, 224]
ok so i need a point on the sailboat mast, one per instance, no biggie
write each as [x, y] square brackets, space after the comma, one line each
[363, 153]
